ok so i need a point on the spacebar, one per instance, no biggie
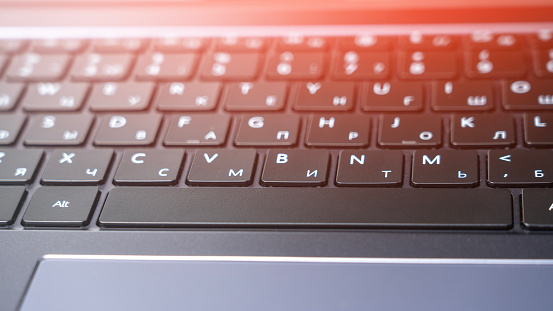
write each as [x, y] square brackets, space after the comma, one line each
[307, 208]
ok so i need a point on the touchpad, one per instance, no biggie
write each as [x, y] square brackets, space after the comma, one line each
[262, 283]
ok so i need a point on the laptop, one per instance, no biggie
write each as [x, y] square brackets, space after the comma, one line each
[271, 147]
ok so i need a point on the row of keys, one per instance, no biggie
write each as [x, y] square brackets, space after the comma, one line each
[413, 208]
[349, 65]
[476, 131]
[272, 96]
[213, 167]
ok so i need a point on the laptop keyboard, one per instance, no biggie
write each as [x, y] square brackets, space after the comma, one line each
[399, 132]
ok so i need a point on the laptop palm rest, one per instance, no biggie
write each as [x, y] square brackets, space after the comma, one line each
[248, 284]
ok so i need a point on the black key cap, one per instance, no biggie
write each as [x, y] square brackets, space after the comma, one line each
[252, 96]
[543, 63]
[324, 96]
[538, 129]
[18, 166]
[197, 130]
[212, 167]
[164, 66]
[353, 65]
[419, 41]
[308, 208]
[59, 129]
[128, 96]
[128, 130]
[9, 46]
[73, 166]
[35, 67]
[119, 45]
[493, 130]
[298, 42]
[520, 167]
[338, 131]
[365, 42]
[53, 46]
[527, 95]
[370, 168]
[297, 65]
[268, 130]
[445, 168]
[427, 65]
[64, 96]
[231, 66]
[392, 96]
[241, 44]
[10, 125]
[495, 64]
[9, 95]
[149, 167]
[61, 207]
[462, 96]
[537, 209]
[414, 131]
[194, 96]
[11, 199]
[173, 44]
[295, 168]
[101, 67]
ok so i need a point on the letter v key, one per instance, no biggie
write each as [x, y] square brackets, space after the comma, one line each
[208, 159]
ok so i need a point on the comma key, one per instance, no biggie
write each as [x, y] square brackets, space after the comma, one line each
[520, 168]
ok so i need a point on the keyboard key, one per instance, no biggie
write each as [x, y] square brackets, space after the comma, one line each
[165, 66]
[419, 41]
[11, 46]
[284, 167]
[101, 67]
[54, 46]
[538, 129]
[495, 64]
[527, 95]
[18, 166]
[298, 42]
[365, 42]
[255, 96]
[268, 130]
[149, 167]
[543, 39]
[462, 96]
[338, 131]
[370, 168]
[537, 209]
[214, 167]
[543, 63]
[128, 130]
[173, 44]
[308, 208]
[62, 206]
[296, 65]
[35, 67]
[241, 44]
[197, 130]
[324, 96]
[445, 168]
[119, 45]
[11, 199]
[3, 62]
[9, 95]
[74, 166]
[231, 66]
[193, 96]
[427, 65]
[10, 126]
[410, 131]
[392, 96]
[58, 129]
[520, 167]
[128, 96]
[493, 130]
[353, 65]
[484, 39]
[65, 96]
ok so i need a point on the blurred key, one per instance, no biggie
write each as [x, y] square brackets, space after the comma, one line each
[18, 166]
[462, 95]
[101, 67]
[483, 130]
[543, 62]
[10, 126]
[12, 46]
[190, 96]
[427, 65]
[165, 66]
[119, 45]
[65, 96]
[527, 94]
[352, 65]
[9, 95]
[484, 39]
[419, 41]
[299, 42]
[410, 131]
[128, 130]
[365, 42]
[53, 46]
[231, 66]
[174, 44]
[542, 39]
[495, 63]
[36, 67]
[296, 65]
[241, 44]
[127, 96]
[58, 129]
[324, 96]
[392, 96]
[252, 96]
[197, 130]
